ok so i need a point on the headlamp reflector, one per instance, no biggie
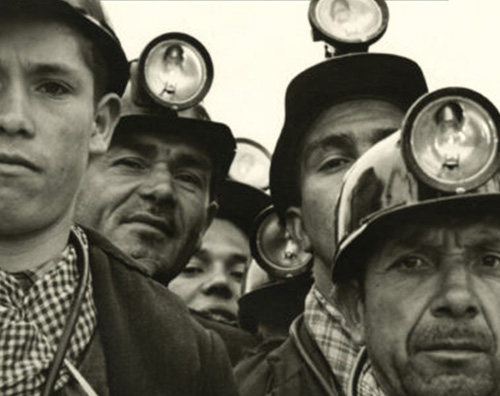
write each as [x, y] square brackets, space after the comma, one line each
[251, 164]
[349, 21]
[274, 249]
[450, 140]
[177, 70]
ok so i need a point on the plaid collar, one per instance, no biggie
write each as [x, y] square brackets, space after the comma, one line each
[32, 321]
[363, 381]
[325, 324]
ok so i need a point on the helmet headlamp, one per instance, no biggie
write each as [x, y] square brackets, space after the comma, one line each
[450, 140]
[251, 164]
[274, 249]
[176, 71]
[348, 25]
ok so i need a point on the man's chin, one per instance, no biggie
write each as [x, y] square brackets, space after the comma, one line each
[457, 378]
[146, 261]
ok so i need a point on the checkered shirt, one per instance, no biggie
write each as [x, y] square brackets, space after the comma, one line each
[32, 322]
[325, 324]
[365, 384]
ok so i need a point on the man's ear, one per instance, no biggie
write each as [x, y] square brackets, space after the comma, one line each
[106, 117]
[213, 208]
[295, 226]
[350, 303]
[358, 332]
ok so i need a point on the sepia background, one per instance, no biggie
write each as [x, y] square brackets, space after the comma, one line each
[258, 46]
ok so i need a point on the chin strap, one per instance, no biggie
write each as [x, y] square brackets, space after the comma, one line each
[76, 306]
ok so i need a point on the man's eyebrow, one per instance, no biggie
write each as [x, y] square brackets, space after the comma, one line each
[53, 68]
[410, 240]
[483, 239]
[192, 161]
[178, 158]
[341, 141]
[238, 258]
[145, 149]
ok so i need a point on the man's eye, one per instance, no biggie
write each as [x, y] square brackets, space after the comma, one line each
[54, 89]
[334, 163]
[491, 261]
[189, 178]
[238, 275]
[130, 163]
[192, 270]
[412, 264]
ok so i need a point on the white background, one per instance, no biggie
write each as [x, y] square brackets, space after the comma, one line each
[258, 46]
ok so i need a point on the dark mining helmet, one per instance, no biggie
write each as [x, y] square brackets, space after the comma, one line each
[445, 159]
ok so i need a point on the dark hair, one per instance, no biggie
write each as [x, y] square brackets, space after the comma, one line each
[95, 61]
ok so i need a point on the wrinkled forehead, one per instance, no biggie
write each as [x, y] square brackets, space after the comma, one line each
[437, 230]
[356, 122]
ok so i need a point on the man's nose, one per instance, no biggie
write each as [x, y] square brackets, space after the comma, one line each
[15, 113]
[220, 285]
[456, 297]
[158, 186]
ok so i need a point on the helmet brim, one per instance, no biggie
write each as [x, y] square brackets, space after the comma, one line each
[346, 267]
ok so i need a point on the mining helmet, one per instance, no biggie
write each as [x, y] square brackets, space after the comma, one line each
[240, 203]
[87, 16]
[251, 164]
[167, 84]
[445, 159]
[279, 277]
[266, 298]
[381, 76]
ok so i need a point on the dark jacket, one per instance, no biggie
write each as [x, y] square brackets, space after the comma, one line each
[151, 345]
[238, 341]
[295, 368]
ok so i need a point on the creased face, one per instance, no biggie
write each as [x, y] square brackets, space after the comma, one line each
[431, 315]
[149, 194]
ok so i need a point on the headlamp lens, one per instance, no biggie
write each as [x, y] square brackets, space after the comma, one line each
[274, 249]
[349, 20]
[453, 141]
[177, 71]
[251, 164]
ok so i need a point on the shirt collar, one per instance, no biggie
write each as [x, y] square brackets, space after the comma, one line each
[326, 325]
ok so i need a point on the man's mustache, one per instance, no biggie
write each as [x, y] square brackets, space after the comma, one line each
[160, 217]
[451, 336]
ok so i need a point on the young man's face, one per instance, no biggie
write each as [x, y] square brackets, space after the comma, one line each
[48, 121]
[337, 137]
[211, 282]
[430, 315]
[150, 195]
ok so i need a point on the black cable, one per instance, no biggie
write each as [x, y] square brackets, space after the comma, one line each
[76, 306]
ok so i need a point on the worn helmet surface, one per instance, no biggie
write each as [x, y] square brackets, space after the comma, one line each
[445, 159]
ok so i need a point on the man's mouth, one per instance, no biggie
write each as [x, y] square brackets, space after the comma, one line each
[220, 315]
[16, 160]
[159, 223]
[455, 348]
